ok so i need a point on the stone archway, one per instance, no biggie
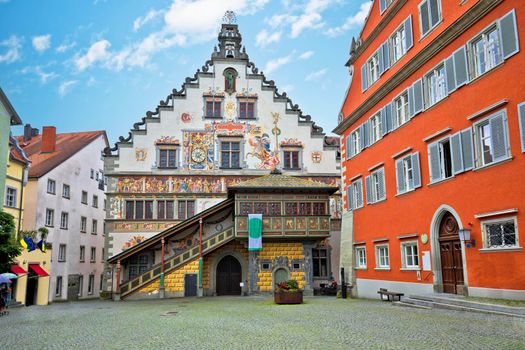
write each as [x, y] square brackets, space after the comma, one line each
[228, 276]
[215, 260]
[447, 219]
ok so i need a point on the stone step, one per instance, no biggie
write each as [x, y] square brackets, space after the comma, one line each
[417, 302]
[454, 303]
[404, 303]
[13, 304]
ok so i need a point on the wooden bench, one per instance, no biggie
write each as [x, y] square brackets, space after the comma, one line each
[390, 296]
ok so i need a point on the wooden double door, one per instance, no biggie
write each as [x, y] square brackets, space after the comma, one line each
[229, 276]
[451, 255]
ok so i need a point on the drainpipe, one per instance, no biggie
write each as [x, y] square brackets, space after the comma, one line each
[200, 291]
[161, 287]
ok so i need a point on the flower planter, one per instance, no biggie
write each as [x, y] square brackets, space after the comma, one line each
[284, 297]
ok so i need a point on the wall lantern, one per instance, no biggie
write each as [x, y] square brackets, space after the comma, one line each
[465, 236]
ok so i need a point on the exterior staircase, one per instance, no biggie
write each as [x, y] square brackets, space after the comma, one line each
[459, 303]
[171, 263]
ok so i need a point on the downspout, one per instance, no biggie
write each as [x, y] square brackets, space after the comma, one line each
[161, 283]
[200, 291]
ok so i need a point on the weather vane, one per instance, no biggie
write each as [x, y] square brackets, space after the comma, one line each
[229, 17]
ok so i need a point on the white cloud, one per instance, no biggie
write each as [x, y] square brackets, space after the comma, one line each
[96, 52]
[13, 44]
[65, 47]
[66, 86]
[275, 64]
[306, 55]
[315, 76]
[141, 21]
[38, 70]
[91, 81]
[200, 19]
[42, 42]
[356, 20]
[264, 38]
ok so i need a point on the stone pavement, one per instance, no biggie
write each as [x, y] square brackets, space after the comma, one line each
[253, 323]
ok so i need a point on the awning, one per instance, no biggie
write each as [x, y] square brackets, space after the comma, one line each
[18, 270]
[38, 270]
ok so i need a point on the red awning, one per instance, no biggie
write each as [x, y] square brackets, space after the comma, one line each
[18, 270]
[38, 270]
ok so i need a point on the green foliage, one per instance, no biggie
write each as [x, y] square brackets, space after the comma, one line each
[9, 249]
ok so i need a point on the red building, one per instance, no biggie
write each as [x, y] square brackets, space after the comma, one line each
[434, 123]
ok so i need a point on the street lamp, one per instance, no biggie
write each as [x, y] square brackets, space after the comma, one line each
[465, 236]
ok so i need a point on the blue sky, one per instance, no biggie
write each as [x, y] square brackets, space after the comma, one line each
[101, 64]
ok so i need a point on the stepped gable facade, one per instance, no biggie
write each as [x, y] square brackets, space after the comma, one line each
[226, 124]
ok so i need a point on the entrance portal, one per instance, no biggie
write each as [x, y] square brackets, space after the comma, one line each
[450, 251]
[229, 276]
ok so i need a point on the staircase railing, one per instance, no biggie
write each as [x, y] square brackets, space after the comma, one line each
[175, 261]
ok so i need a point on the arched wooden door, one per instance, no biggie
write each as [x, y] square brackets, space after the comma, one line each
[229, 276]
[451, 258]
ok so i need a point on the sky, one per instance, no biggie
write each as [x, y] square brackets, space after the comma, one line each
[101, 64]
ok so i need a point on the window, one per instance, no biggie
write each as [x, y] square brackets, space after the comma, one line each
[429, 15]
[10, 197]
[80, 285]
[246, 109]
[139, 210]
[375, 186]
[51, 186]
[105, 204]
[168, 158]
[91, 284]
[319, 209]
[83, 224]
[320, 262]
[401, 110]
[93, 256]
[101, 279]
[66, 191]
[360, 257]
[375, 128]
[500, 233]
[50, 217]
[62, 253]
[58, 287]
[435, 88]
[491, 139]
[291, 160]
[102, 255]
[95, 201]
[165, 210]
[485, 51]
[382, 260]
[398, 44]
[82, 253]
[186, 209]
[409, 255]
[355, 194]
[84, 197]
[97, 175]
[64, 219]
[373, 69]
[139, 264]
[408, 175]
[384, 4]
[213, 109]
[94, 225]
[355, 142]
[230, 155]
[92, 174]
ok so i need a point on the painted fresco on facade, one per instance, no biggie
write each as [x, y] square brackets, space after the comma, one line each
[198, 148]
[133, 241]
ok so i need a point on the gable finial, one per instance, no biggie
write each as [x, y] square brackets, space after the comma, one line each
[229, 17]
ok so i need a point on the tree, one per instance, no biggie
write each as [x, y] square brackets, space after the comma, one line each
[9, 249]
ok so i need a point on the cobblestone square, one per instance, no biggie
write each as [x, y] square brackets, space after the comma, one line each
[253, 323]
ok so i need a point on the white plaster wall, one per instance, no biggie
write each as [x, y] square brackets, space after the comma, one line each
[76, 173]
[171, 125]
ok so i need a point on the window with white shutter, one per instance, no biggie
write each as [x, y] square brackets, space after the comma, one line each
[521, 116]
[440, 160]
[418, 99]
[429, 15]
[349, 196]
[400, 41]
[460, 66]
[357, 194]
[435, 85]
[401, 110]
[373, 68]
[375, 186]
[509, 34]
[384, 4]
[375, 128]
[491, 139]
[408, 173]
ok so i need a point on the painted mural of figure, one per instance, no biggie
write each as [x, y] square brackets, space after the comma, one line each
[262, 151]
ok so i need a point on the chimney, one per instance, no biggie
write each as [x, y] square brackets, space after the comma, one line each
[28, 133]
[34, 132]
[49, 138]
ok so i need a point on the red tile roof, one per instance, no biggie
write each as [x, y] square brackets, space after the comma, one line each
[67, 144]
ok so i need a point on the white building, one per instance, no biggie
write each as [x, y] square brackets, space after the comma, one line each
[65, 193]
[227, 124]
